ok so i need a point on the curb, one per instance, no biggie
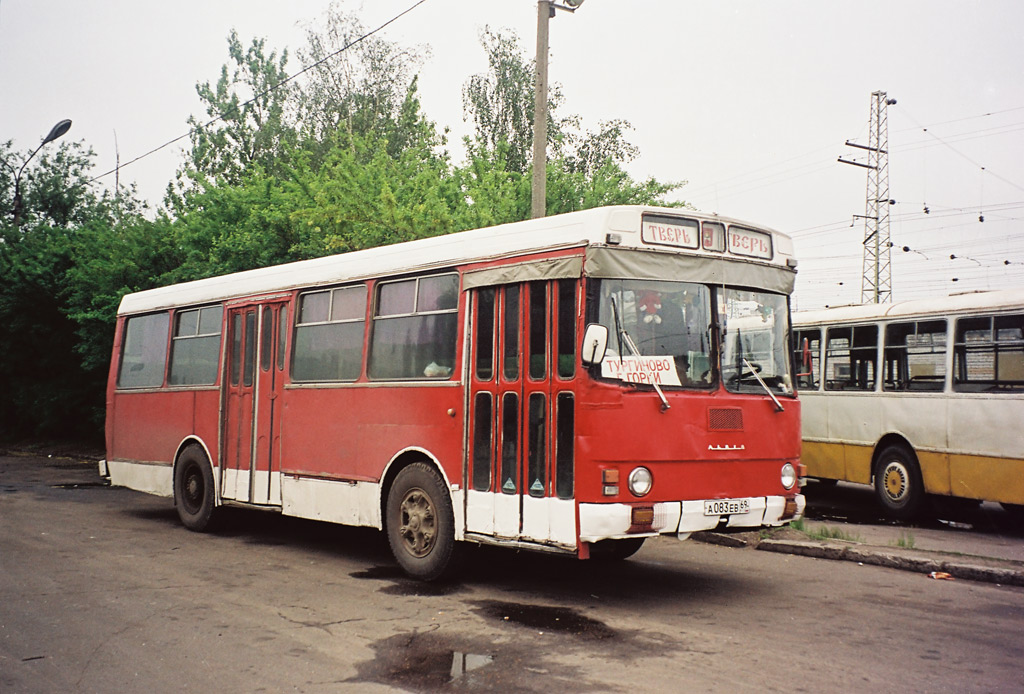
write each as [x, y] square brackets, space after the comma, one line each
[971, 572]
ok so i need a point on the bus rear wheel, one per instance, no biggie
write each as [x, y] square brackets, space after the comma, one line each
[898, 484]
[420, 523]
[194, 490]
[1015, 511]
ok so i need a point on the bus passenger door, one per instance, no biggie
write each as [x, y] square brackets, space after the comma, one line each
[515, 400]
[251, 467]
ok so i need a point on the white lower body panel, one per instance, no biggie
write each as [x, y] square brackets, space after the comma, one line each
[521, 518]
[152, 478]
[266, 487]
[348, 503]
[609, 521]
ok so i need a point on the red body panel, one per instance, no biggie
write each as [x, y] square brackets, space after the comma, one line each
[148, 426]
[623, 428]
[353, 432]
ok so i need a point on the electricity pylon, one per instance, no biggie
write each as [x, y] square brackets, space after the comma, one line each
[876, 273]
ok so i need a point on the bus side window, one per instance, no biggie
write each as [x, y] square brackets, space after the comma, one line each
[144, 351]
[806, 357]
[850, 358]
[989, 354]
[415, 328]
[195, 346]
[915, 356]
[329, 331]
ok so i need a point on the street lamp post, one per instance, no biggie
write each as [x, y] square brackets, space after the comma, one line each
[545, 11]
[55, 132]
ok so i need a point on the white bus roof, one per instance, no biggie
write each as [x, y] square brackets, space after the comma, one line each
[587, 227]
[1000, 300]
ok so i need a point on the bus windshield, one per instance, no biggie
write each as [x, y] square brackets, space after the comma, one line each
[670, 325]
[754, 328]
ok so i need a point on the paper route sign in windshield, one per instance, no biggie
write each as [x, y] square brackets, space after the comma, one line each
[649, 370]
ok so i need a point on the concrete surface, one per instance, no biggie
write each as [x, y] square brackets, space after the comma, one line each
[961, 554]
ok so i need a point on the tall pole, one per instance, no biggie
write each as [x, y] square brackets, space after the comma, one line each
[538, 207]
[876, 270]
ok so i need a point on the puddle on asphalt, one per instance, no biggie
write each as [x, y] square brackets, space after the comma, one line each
[467, 662]
[547, 619]
[423, 663]
[438, 661]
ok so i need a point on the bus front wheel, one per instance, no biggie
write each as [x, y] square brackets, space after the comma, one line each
[898, 484]
[194, 489]
[420, 523]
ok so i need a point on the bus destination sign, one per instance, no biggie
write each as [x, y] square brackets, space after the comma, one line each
[679, 232]
[668, 231]
[754, 244]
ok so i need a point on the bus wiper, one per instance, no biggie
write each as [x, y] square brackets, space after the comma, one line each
[618, 326]
[778, 405]
[623, 336]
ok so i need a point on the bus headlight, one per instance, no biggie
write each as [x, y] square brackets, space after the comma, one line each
[640, 481]
[788, 475]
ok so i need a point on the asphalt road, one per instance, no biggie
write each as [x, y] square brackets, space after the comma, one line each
[101, 590]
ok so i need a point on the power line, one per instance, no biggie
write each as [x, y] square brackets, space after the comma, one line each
[965, 118]
[265, 92]
[964, 156]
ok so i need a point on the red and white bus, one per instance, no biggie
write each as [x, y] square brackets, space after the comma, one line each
[573, 384]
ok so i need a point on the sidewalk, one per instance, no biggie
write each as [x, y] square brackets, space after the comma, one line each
[936, 553]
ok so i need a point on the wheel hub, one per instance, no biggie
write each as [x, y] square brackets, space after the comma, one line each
[895, 481]
[418, 527]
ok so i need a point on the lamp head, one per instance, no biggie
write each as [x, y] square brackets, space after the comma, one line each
[59, 130]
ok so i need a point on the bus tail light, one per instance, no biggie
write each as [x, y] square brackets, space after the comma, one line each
[641, 519]
[789, 510]
[610, 482]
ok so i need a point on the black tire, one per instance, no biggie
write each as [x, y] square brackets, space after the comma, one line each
[1015, 511]
[616, 550]
[420, 523]
[194, 491]
[898, 483]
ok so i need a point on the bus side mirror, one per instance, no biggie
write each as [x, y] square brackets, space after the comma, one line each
[595, 343]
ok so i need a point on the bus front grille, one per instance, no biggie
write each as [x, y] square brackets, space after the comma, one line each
[725, 419]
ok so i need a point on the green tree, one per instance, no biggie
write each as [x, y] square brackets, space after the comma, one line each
[58, 322]
[249, 120]
[500, 102]
[360, 86]
[585, 169]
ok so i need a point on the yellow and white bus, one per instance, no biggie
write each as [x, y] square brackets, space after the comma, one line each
[916, 397]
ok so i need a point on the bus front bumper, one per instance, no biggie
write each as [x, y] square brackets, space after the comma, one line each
[617, 521]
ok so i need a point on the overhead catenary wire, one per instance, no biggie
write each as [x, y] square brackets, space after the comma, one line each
[265, 92]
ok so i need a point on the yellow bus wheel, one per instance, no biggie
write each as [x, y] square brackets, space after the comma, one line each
[898, 484]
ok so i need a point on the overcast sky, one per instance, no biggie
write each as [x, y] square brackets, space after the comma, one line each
[750, 101]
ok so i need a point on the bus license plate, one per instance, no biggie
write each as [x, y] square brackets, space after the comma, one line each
[726, 507]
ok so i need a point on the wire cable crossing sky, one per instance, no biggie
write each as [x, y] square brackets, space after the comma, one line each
[748, 102]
